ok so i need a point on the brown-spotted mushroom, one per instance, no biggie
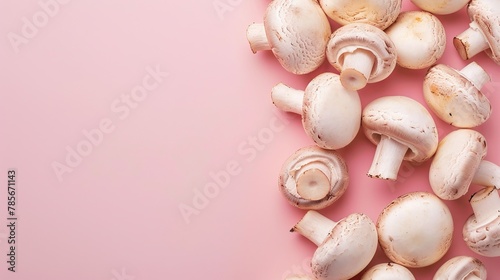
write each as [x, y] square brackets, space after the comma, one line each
[419, 38]
[313, 178]
[481, 231]
[402, 129]
[362, 53]
[331, 114]
[461, 267]
[440, 7]
[379, 13]
[455, 96]
[459, 162]
[483, 33]
[388, 271]
[345, 247]
[296, 31]
[415, 229]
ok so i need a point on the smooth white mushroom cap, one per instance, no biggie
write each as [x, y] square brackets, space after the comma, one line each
[298, 31]
[419, 38]
[440, 7]
[354, 37]
[379, 13]
[455, 98]
[327, 183]
[388, 271]
[461, 267]
[404, 120]
[415, 230]
[454, 165]
[485, 23]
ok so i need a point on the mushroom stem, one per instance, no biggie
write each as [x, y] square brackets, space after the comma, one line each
[313, 182]
[470, 42]
[314, 227]
[486, 205]
[472, 276]
[487, 174]
[475, 74]
[388, 158]
[356, 69]
[256, 36]
[287, 99]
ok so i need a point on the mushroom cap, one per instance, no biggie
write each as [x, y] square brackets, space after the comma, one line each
[348, 249]
[332, 165]
[379, 13]
[419, 38]
[455, 163]
[440, 7]
[455, 99]
[404, 120]
[388, 271]
[351, 37]
[331, 114]
[416, 229]
[461, 267]
[298, 31]
[487, 15]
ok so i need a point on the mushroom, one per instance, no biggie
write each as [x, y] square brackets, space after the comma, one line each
[481, 231]
[440, 7]
[415, 229]
[331, 114]
[388, 271]
[483, 33]
[419, 38]
[461, 267]
[296, 31]
[362, 53]
[458, 163]
[313, 178]
[455, 96]
[345, 247]
[379, 13]
[402, 129]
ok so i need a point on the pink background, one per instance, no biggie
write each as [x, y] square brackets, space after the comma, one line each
[116, 214]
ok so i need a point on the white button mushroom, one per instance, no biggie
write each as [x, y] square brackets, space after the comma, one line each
[379, 13]
[481, 231]
[345, 247]
[415, 230]
[402, 129]
[440, 7]
[455, 96]
[362, 53]
[458, 163]
[296, 31]
[313, 178]
[330, 113]
[461, 267]
[483, 33]
[419, 38]
[388, 271]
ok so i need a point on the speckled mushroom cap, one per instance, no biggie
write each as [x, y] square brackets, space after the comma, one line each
[379, 13]
[331, 114]
[454, 98]
[298, 31]
[388, 271]
[440, 7]
[351, 37]
[455, 163]
[461, 267]
[419, 38]
[404, 120]
[329, 162]
[486, 13]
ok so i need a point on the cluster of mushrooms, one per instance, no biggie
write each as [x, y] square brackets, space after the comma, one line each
[374, 36]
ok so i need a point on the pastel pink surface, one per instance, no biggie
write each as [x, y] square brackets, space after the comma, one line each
[116, 213]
